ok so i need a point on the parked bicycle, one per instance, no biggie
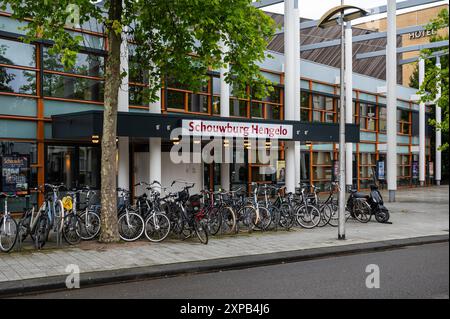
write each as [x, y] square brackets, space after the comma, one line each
[8, 226]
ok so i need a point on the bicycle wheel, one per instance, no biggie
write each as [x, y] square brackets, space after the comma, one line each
[249, 217]
[228, 220]
[361, 211]
[71, 229]
[307, 216]
[157, 227]
[8, 233]
[90, 225]
[131, 226]
[274, 217]
[325, 215]
[264, 218]
[286, 216]
[41, 231]
[201, 231]
[214, 221]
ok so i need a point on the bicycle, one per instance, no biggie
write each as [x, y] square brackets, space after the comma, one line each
[307, 214]
[244, 210]
[157, 224]
[89, 218]
[71, 223]
[130, 223]
[8, 227]
[186, 214]
[285, 217]
[50, 217]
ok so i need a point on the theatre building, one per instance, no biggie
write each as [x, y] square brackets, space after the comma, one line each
[51, 119]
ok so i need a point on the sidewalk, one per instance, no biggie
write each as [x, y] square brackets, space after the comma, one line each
[417, 213]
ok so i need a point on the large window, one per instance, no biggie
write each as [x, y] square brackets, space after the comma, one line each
[67, 87]
[367, 165]
[367, 117]
[403, 122]
[17, 53]
[403, 169]
[82, 82]
[323, 109]
[74, 166]
[305, 107]
[85, 64]
[322, 169]
[17, 67]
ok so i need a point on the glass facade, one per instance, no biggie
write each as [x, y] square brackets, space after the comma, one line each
[29, 98]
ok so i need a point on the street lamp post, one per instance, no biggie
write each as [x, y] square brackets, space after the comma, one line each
[337, 15]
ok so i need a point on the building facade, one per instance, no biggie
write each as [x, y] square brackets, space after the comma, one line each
[34, 87]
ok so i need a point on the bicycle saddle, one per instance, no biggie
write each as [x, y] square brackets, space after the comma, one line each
[357, 194]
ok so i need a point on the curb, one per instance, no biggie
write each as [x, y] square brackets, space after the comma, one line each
[45, 284]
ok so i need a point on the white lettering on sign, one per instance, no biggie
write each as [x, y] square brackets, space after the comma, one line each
[421, 34]
[236, 129]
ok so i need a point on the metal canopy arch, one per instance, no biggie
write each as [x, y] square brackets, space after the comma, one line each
[330, 17]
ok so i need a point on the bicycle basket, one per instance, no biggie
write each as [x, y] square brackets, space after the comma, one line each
[67, 203]
[183, 196]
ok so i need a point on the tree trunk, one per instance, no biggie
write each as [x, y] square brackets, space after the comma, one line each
[109, 228]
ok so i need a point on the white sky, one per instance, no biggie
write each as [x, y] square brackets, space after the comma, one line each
[313, 9]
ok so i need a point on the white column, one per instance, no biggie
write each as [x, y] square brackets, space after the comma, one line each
[155, 146]
[123, 179]
[224, 112]
[292, 87]
[391, 116]
[348, 101]
[422, 161]
[438, 163]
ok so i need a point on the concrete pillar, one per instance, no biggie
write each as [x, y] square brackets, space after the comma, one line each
[224, 112]
[155, 146]
[292, 87]
[123, 179]
[391, 85]
[348, 102]
[438, 163]
[422, 162]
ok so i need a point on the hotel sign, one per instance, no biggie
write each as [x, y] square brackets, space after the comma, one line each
[421, 34]
[236, 129]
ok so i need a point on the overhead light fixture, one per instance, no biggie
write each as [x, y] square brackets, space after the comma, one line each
[197, 142]
[176, 142]
[95, 139]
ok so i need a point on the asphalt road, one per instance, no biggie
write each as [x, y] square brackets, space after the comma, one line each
[411, 272]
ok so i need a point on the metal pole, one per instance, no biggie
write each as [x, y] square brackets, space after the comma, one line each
[421, 126]
[438, 132]
[224, 112]
[349, 101]
[341, 232]
[391, 112]
[292, 85]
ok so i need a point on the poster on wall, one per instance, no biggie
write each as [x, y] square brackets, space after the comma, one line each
[380, 170]
[15, 174]
[281, 172]
[415, 169]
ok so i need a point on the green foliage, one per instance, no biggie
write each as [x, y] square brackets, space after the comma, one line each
[176, 38]
[433, 75]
